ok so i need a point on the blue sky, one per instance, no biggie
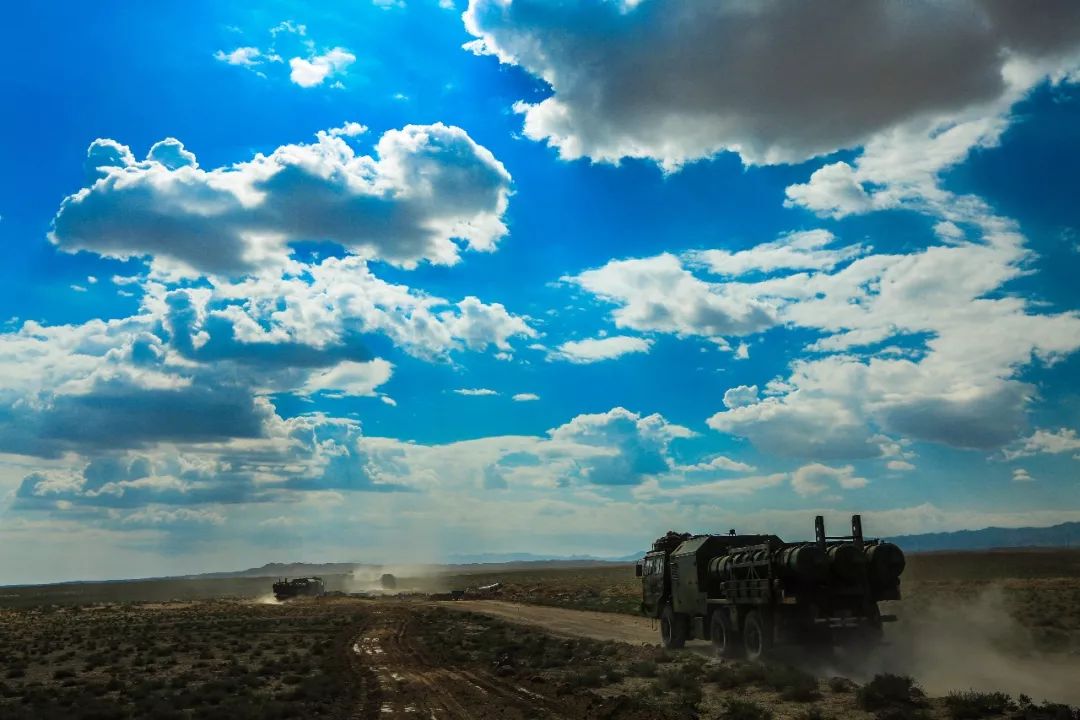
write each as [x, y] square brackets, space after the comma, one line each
[404, 280]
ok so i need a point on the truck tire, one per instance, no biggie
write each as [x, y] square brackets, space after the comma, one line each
[757, 636]
[672, 628]
[726, 642]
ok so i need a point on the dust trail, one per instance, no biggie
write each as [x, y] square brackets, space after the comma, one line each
[267, 599]
[407, 578]
[957, 644]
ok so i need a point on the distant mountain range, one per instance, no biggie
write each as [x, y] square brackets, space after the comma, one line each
[483, 562]
[1063, 535]
[296, 569]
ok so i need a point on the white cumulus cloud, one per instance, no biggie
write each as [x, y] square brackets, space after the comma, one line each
[350, 378]
[1053, 442]
[312, 71]
[475, 392]
[243, 56]
[1021, 475]
[816, 478]
[428, 191]
[598, 349]
[659, 294]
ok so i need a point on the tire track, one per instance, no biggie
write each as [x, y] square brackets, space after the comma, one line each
[395, 679]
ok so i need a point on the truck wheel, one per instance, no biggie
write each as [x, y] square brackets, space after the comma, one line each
[672, 628]
[724, 638]
[757, 638]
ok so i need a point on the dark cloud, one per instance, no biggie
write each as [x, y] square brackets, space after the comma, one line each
[116, 414]
[678, 80]
[983, 421]
[308, 453]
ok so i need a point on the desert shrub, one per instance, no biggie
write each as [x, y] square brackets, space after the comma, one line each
[589, 677]
[97, 689]
[733, 676]
[676, 680]
[689, 698]
[1046, 711]
[841, 684]
[887, 690]
[972, 705]
[902, 712]
[642, 668]
[813, 713]
[736, 709]
[693, 667]
[791, 682]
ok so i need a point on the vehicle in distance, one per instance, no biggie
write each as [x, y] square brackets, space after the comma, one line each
[751, 593]
[285, 589]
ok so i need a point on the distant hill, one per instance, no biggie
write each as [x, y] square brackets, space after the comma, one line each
[296, 569]
[504, 558]
[485, 562]
[1057, 536]
[1063, 535]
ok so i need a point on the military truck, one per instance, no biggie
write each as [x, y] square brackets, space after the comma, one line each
[749, 594]
[285, 589]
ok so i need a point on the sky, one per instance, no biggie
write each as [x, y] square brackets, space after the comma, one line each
[411, 280]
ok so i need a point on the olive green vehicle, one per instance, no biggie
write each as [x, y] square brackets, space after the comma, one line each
[751, 593]
[285, 589]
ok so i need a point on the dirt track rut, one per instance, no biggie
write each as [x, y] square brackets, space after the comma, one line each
[396, 679]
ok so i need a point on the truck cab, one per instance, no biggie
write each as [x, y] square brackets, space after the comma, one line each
[654, 583]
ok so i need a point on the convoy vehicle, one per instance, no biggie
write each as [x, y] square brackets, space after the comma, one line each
[751, 593]
[285, 589]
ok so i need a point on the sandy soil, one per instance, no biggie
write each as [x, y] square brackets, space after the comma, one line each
[568, 623]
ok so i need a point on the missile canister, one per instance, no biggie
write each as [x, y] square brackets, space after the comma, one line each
[846, 562]
[886, 563]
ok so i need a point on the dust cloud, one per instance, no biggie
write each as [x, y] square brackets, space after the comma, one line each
[267, 599]
[957, 644]
[407, 578]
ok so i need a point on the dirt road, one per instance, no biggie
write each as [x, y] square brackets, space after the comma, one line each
[395, 678]
[568, 623]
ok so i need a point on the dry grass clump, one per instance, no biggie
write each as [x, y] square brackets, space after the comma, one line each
[892, 697]
[973, 705]
[738, 709]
